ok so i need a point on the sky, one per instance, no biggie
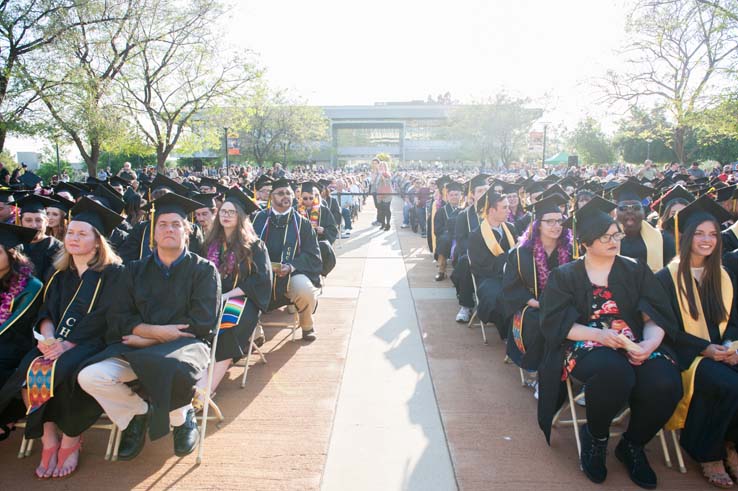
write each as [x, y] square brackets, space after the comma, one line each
[346, 52]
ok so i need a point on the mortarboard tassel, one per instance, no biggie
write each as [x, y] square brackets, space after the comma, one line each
[151, 226]
[17, 215]
[575, 245]
[676, 232]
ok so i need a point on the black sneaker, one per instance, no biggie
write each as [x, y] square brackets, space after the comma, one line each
[594, 454]
[134, 436]
[635, 460]
[309, 335]
[186, 435]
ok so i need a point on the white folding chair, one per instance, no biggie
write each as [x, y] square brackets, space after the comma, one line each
[575, 421]
[474, 314]
[111, 452]
[293, 326]
[252, 347]
[678, 450]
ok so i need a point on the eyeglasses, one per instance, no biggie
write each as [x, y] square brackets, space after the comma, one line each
[283, 193]
[553, 221]
[227, 213]
[307, 198]
[617, 237]
[633, 207]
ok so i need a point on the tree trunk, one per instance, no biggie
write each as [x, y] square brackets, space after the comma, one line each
[678, 143]
[92, 159]
[161, 163]
[3, 134]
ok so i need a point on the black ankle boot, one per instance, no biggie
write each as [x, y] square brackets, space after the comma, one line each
[594, 453]
[635, 460]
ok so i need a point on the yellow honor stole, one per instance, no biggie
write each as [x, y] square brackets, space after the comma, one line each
[654, 246]
[491, 241]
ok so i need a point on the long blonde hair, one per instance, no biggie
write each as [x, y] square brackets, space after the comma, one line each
[104, 255]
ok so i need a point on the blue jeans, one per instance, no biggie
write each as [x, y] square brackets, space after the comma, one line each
[346, 213]
[406, 213]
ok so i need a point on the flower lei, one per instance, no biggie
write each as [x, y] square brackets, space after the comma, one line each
[214, 252]
[313, 215]
[539, 253]
[17, 285]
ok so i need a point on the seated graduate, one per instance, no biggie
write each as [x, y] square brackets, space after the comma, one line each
[313, 208]
[42, 250]
[206, 215]
[159, 333]
[20, 298]
[72, 325]
[729, 234]
[642, 241]
[57, 217]
[246, 279]
[546, 246]
[444, 223]
[702, 294]
[671, 202]
[604, 317]
[488, 248]
[295, 256]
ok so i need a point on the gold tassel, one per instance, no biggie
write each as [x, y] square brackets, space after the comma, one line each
[575, 245]
[17, 215]
[676, 232]
[151, 226]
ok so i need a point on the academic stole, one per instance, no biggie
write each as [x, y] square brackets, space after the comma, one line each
[519, 317]
[696, 327]
[654, 246]
[40, 374]
[288, 251]
[491, 241]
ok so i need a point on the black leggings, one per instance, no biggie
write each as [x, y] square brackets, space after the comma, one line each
[384, 214]
[651, 390]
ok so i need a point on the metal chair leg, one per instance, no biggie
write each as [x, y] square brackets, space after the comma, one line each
[664, 448]
[572, 407]
[678, 450]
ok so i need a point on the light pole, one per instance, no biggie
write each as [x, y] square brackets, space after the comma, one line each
[225, 141]
[648, 148]
[543, 161]
[58, 163]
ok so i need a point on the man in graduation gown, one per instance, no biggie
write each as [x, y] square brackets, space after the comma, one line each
[205, 216]
[313, 207]
[444, 227]
[466, 223]
[330, 201]
[43, 248]
[138, 244]
[159, 335]
[642, 241]
[488, 248]
[294, 253]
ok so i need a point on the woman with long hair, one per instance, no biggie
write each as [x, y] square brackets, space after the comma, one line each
[20, 299]
[246, 279]
[545, 246]
[701, 293]
[604, 318]
[57, 216]
[70, 328]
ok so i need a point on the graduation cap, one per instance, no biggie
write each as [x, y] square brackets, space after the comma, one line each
[73, 190]
[7, 196]
[663, 183]
[681, 177]
[591, 220]
[172, 203]
[699, 210]
[535, 187]
[677, 192]
[103, 219]
[308, 186]
[507, 187]
[442, 181]
[724, 193]
[206, 200]
[110, 198]
[631, 190]
[280, 183]
[554, 190]
[213, 183]
[162, 181]
[119, 181]
[263, 180]
[549, 204]
[551, 178]
[33, 203]
[324, 183]
[62, 203]
[13, 235]
[29, 179]
[238, 198]
[568, 182]
[454, 186]
[477, 181]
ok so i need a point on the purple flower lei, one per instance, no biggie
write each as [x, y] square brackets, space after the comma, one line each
[16, 287]
[532, 239]
[214, 252]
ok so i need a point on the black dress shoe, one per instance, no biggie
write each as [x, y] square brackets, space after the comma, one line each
[594, 453]
[259, 342]
[635, 460]
[309, 335]
[186, 435]
[134, 436]
[440, 276]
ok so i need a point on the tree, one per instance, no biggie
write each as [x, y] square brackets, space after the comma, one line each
[493, 130]
[590, 143]
[678, 51]
[180, 71]
[644, 134]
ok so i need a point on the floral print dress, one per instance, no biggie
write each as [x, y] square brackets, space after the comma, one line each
[605, 315]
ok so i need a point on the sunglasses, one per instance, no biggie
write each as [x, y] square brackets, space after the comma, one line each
[625, 208]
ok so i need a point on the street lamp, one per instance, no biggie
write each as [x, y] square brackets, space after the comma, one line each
[648, 148]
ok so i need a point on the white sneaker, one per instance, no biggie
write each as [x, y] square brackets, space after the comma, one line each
[535, 394]
[404, 225]
[291, 309]
[345, 235]
[464, 314]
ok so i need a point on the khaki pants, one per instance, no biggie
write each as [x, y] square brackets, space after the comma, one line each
[106, 382]
[302, 293]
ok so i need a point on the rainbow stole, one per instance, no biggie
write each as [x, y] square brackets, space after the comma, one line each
[40, 382]
[232, 311]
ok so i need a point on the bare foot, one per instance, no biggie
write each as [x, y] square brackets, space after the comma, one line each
[48, 462]
[68, 456]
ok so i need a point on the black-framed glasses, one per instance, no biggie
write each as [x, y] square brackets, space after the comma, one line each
[553, 221]
[283, 193]
[632, 207]
[607, 238]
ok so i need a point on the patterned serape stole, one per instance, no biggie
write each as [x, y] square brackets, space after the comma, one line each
[517, 331]
[40, 382]
[232, 312]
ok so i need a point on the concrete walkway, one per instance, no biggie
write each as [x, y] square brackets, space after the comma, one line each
[387, 432]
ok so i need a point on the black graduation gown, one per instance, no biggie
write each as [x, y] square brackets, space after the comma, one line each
[488, 271]
[303, 254]
[444, 226]
[327, 221]
[42, 255]
[634, 247]
[70, 408]
[517, 288]
[189, 294]
[16, 338]
[136, 244]
[465, 224]
[256, 284]
[335, 209]
[730, 241]
[714, 405]
[567, 299]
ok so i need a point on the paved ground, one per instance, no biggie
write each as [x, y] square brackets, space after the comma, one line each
[394, 395]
